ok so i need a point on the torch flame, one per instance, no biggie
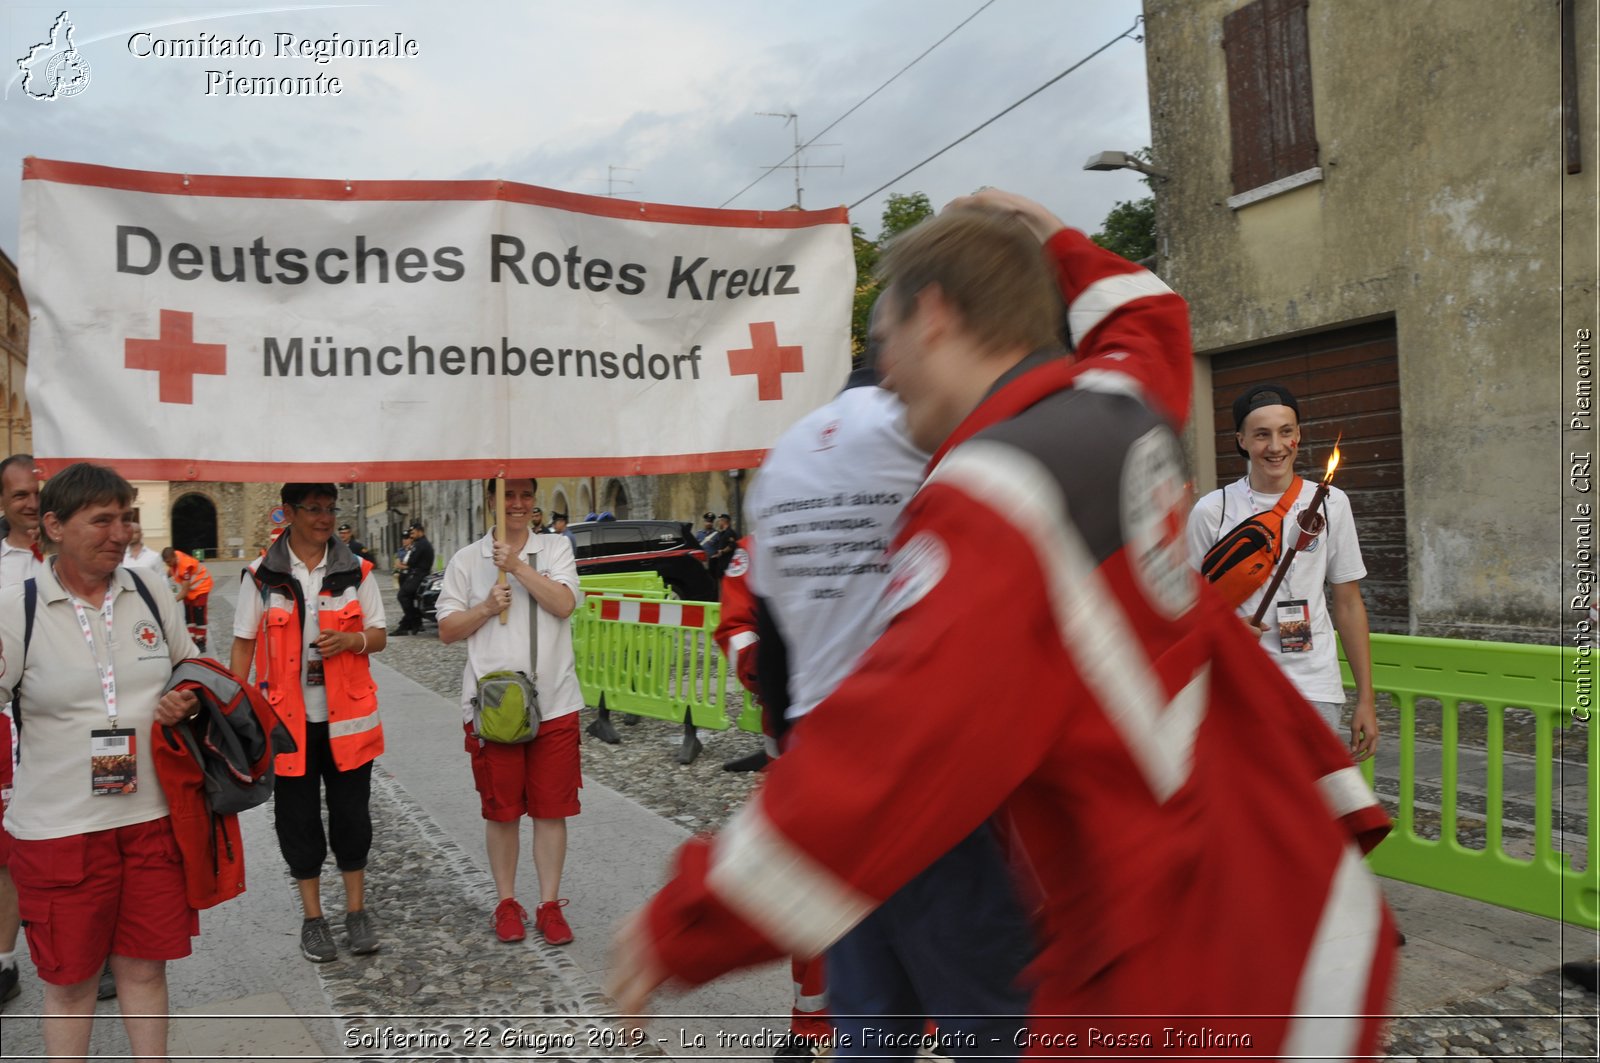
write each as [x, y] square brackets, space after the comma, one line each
[1333, 461]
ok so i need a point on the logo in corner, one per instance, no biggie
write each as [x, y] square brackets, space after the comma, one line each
[55, 69]
[915, 570]
[1154, 504]
[147, 634]
[738, 564]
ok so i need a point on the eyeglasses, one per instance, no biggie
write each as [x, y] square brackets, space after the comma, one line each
[319, 511]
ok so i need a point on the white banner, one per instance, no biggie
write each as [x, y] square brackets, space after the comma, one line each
[226, 328]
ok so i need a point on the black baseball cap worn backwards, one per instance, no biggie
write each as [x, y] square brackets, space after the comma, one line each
[1259, 395]
[1255, 397]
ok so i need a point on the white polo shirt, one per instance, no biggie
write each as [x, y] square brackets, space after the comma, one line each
[148, 559]
[62, 703]
[17, 563]
[247, 619]
[496, 647]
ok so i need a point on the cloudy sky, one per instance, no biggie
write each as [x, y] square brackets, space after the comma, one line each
[554, 93]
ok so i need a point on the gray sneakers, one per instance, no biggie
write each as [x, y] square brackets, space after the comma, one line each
[358, 929]
[316, 941]
[318, 946]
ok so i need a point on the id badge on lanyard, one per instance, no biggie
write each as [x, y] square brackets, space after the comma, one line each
[1294, 626]
[113, 752]
[316, 676]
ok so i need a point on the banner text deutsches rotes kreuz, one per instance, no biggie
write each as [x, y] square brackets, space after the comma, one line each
[506, 260]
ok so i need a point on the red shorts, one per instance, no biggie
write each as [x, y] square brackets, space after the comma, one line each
[70, 894]
[539, 778]
[5, 785]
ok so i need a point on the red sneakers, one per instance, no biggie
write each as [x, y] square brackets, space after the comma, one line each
[511, 921]
[551, 923]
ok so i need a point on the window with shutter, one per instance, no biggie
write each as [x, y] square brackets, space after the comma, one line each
[1269, 92]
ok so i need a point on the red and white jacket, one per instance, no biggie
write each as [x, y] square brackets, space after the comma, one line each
[1194, 829]
[736, 624]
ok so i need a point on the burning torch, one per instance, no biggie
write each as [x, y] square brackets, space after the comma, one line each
[1308, 527]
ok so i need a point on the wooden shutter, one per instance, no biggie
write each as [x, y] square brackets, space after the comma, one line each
[1270, 115]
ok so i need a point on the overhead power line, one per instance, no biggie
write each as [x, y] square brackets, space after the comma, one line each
[1129, 32]
[770, 171]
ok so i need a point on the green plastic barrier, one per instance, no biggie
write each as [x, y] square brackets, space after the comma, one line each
[648, 584]
[655, 665]
[1495, 675]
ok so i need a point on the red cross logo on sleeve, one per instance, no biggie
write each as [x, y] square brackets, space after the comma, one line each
[765, 360]
[176, 357]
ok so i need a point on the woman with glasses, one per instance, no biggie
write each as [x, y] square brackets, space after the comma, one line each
[309, 616]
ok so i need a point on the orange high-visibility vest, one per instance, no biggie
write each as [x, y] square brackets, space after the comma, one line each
[355, 733]
[184, 567]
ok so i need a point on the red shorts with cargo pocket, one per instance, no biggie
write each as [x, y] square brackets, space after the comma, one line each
[539, 778]
[5, 785]
[86, 896]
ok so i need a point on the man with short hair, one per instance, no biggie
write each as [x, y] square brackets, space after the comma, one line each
[719, 547]
[138, 555]
[347, 536]
[850, 465]
[309, 616]
[536, 521]
[1266, 422]
[1047, 651]
[194, 590]
[418, 563]
[20, 559]
[558, 526]
[533, 580]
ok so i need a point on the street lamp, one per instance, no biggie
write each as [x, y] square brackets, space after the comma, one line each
[1121, 160]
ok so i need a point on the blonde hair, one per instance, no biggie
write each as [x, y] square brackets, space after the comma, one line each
[990, 269]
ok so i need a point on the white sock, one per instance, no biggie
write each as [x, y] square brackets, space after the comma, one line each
[8, 959]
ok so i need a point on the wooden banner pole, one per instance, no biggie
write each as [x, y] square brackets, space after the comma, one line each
[500, 531]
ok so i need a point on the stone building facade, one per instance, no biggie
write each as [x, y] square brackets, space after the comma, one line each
[1390, 208]
[14, 348]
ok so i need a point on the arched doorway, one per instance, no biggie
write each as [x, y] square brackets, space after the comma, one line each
[617, 499]
[560, 506]
[585, 503]
[194, 525]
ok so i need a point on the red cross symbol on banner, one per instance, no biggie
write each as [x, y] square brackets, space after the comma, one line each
[765, 360]
[176, 356]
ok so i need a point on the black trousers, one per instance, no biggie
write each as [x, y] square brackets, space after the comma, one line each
[297, 811]
[411, 605]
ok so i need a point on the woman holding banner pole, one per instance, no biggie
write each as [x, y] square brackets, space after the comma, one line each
[500, 594]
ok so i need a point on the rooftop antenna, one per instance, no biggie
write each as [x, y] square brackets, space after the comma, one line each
[789, 117]
[612, 180]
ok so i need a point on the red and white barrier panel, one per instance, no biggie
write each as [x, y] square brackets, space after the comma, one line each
[666, 614]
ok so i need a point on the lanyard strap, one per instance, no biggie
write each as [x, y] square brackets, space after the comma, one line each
[107, 669]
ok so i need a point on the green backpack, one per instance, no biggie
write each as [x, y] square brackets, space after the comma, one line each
[505, 709]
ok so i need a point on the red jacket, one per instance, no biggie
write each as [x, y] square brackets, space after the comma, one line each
[736, 627]
[1051, 660]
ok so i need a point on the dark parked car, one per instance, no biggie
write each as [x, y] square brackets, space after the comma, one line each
[664, 546]
[429, 598]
